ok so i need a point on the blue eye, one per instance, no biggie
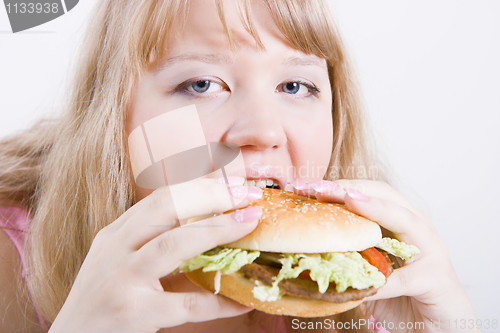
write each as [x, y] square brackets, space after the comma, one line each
[299, 88]
[203, 86]
[291, 87]
[200, 86]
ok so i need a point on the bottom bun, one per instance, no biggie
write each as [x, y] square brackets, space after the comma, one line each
[239, 288]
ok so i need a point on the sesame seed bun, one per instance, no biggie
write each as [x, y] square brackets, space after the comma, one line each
[239, 288]
[296, 224]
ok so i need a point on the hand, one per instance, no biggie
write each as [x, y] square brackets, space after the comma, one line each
[118, 288]
[425, 289]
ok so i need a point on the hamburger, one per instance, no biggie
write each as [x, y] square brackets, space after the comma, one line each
[305, 258]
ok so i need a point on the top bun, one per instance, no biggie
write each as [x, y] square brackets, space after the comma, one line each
[296, 224]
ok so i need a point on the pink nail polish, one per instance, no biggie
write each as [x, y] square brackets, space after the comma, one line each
[233, 180]
[246, 192]
[298, 184]
[247, 215]
[323, 186]
[356, 195]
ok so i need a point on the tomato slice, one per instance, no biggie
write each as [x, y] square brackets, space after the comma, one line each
[305, 275]
[376, 259]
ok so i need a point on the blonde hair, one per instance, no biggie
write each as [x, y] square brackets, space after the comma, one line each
[73, 173]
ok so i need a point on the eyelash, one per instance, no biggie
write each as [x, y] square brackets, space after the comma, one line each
[182, 88]
[312, 88]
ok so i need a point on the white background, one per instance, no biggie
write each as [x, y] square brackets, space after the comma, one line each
[430, 71]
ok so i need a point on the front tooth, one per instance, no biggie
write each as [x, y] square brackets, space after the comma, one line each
[275, 183]
[261, 183]
[250, 182]
[269, 182]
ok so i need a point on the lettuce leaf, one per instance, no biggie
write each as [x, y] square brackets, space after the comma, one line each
[224, 259]
[397, 248]
[265, 293]
[346, 269]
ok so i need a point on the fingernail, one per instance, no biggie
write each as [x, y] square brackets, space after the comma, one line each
[247, 215]
[232, 180]
[246, 192]
[323, 186]
[356, 195]
[298, 184]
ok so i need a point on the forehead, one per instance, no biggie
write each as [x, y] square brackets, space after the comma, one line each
[200, 35]
[202, 21]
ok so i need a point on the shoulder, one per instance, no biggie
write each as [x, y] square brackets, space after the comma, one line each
[13, 216]
[17, 313]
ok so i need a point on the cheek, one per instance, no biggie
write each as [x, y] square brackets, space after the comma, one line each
[312, 143]
[215, 119]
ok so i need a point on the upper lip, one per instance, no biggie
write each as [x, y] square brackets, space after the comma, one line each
[265, 172]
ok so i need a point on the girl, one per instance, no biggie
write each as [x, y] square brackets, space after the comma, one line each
[270, 76]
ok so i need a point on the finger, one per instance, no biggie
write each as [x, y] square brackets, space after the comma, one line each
[167, 251]
[329, 191]
[114, 226]
[178, 282]
[232, 181]
[178, 308]
[301, 188]
[376, 189]
[207, 196]
[319, 189]
[403, 281]
[406, 225]
[159, 213]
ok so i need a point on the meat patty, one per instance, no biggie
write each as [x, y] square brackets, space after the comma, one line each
[304, 288]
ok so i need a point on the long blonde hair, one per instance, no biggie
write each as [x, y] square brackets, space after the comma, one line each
[73, 173]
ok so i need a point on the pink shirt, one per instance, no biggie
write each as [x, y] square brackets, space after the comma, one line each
[13, 221]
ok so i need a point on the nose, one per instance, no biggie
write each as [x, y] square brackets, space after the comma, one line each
[258, 125]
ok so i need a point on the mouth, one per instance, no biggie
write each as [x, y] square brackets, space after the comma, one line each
[263, 183]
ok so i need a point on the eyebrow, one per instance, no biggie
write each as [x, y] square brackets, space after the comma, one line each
[209, 58]
[224, 59]
[302, 61]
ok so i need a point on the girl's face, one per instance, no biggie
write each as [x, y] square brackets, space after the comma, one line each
[275, 104]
